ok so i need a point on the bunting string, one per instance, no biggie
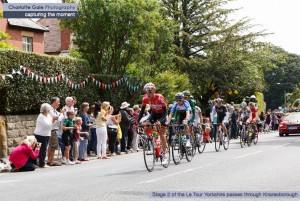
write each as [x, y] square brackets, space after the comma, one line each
[63, 78]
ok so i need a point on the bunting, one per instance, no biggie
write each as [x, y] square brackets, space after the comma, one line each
[23, 70]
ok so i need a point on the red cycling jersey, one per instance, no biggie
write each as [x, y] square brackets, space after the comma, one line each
[156, 103]
[254, 112]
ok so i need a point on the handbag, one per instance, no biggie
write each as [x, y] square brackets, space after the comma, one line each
[112, 128]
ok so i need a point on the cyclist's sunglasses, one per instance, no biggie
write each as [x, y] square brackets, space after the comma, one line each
[179, 100]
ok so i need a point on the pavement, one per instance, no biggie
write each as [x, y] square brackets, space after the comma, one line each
[271, 165]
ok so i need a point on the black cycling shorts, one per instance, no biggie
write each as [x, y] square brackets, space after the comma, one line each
[66, 138]
[181, 115]
[154, 117]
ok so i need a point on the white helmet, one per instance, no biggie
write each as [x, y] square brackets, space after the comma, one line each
[253, 97]
[243, 104]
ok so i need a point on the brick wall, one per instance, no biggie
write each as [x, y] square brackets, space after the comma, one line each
[65, 39]
[15, 34]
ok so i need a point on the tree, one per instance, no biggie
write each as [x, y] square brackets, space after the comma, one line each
[4, 36]
[281, 80]
[112, 35]
[212, 49]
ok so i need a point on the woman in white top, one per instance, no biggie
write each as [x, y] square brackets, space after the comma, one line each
[43, 129]
[101, 131]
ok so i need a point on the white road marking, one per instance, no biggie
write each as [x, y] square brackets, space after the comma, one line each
[9, 181]
[281, 145]
[174, 174]
[242, 156]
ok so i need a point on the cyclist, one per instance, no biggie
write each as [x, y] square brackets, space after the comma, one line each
[159, 113]
[252, 118]
[198, 117]
[244, 112]
[187, 96]
[222, 113]
[183, 109]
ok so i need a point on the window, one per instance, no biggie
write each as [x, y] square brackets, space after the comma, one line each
[27, 43]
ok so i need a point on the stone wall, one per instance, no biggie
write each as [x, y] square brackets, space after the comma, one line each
[18, 128]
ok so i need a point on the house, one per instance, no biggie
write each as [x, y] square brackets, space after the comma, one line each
[56, 41]
[25, 34]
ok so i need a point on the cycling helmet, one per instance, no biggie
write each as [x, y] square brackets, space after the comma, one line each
[218, 100]
[149, 87]
[186, 93]
[243, 104]
[252, 98]
[179, 96]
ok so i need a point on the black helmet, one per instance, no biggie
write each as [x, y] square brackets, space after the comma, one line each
[179, 96]
[186, 93]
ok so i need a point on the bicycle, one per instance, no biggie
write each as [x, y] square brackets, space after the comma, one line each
[152, 148]
[252, 136]
[198, 139]
[243, 138]
[178, 144]
[221, 138]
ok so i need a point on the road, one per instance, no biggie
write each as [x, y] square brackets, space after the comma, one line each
[271, 165]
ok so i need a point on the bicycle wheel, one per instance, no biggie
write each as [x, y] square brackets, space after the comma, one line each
[226, 138]
[149, 154]
[177, 149]
[242, 138]
[194, 142]
[201, 143]
[218, 141]
[249, 137]
[255, 140]
[189, 153]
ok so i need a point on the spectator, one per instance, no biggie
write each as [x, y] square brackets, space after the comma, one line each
[42, 131]
[53, 140]
[112, 129]
[234, 127]
[22, 155]
[135, 115]
[92, 144]
[86, 124]
[268, 121]
[70, 107]
[67, 137]
[125, 125]
[100, 118]
[262, 121]
[130, 130]
[77, 132]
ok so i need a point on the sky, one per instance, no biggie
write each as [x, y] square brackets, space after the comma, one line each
[280, 17]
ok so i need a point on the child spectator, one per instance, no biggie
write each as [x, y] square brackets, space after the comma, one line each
[76, 138]
[67, 137]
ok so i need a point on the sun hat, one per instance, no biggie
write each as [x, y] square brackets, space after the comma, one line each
[124, 105]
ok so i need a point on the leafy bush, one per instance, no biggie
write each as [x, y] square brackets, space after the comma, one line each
[24, 95]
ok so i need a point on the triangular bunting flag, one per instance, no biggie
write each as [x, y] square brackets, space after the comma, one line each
[48, 79]
[41, 79]
[55, 79]
[3, 77]
[13, 72]
[32, 75]
[52, 79]
[9, 75]
[28, 71]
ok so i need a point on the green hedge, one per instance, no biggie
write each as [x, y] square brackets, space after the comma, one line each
[23, 95]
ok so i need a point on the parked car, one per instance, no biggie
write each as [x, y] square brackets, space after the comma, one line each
[289, 124]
